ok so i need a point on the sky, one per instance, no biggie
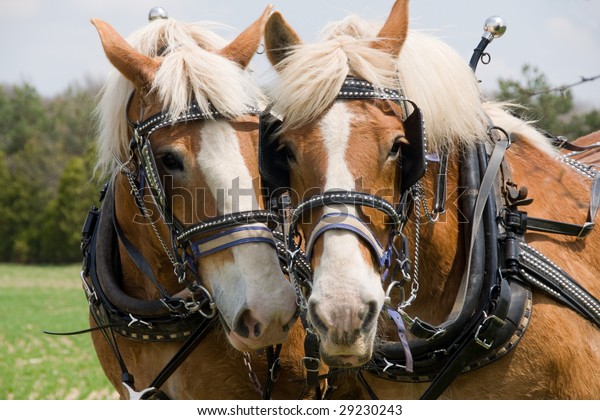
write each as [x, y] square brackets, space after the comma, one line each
[51, 44]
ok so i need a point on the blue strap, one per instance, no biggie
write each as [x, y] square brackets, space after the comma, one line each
[402, 336]
[233, 237]
[346, 222]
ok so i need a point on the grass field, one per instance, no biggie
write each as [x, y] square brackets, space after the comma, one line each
[37, 366]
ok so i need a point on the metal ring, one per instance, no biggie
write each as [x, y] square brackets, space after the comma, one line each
[388, 292]
[486, 59]
[275, 370]
[211, 304]
[434, 216]
[503, 131]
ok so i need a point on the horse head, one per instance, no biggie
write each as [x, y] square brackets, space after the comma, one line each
[344, 129]
[186, 184]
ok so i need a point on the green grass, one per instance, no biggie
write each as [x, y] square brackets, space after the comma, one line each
[37, 366]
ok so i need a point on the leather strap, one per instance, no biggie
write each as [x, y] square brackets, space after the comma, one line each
[563, 143]
[537, 270]
[274, 370]
[561, 228]
[311, 362]
[336, 220]
[439, 205]
[481, 339]
[233, 237]
[201, 331]
[464, 353]
[486, 187]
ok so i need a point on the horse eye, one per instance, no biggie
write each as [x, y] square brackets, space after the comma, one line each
[171, 162]
[289, 154]
[396, 146]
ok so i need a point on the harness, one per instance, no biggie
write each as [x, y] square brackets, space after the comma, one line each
[494, 302]
[189, 315]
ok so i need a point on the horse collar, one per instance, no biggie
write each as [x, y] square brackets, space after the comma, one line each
[493, 314]
[165, 319]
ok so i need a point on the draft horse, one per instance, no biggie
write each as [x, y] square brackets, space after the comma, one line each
[453, 254]
[182, 239]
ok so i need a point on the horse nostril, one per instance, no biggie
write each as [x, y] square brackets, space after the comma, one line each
[246, 324]
[313, 315]
[369, 314]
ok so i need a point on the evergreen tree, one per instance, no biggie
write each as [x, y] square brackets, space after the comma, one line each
[6, 227]
[22, 117]
[61, 232]
[38, 139]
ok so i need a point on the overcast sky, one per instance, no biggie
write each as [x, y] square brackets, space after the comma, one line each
[51, 43]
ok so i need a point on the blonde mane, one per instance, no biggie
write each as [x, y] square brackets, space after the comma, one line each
[190, 70]
[428, 71]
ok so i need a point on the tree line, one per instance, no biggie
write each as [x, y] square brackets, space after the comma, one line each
[47, 156]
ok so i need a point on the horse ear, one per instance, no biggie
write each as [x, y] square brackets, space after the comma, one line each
[242, 49]
[135, 66]
[279, 37]
[393, 33]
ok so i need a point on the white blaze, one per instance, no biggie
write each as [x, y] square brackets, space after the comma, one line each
[254, 275]
[344, 280]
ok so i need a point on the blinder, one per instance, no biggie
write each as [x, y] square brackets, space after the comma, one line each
[272, 161]
[151, 174]
[413, 163]
[273, 165]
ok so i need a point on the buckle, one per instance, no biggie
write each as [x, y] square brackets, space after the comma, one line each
[585, 230]
[482, 341]
[560, 141]
[420, 328]
[514, 220]
[311, 364]
[89, 227]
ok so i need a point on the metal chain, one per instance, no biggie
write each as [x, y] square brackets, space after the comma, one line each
[419, 198]
[252, 375]
[177, 266]
[431, 216]
[292, 254]
[414, 279]
[301, 300]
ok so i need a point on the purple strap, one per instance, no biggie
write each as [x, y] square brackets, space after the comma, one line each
[354, 225]
[402, 336]
[233, 237]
